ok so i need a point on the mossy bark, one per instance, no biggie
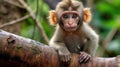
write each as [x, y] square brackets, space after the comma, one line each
[22, 52]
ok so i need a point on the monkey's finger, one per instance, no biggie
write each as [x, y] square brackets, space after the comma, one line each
[81, 53]
[87, 58]
[70, 57]
[67, 58]
[83, 58]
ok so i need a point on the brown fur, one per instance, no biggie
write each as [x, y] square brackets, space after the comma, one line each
[81, 39]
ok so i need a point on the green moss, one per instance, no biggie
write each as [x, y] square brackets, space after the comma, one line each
[35, 49]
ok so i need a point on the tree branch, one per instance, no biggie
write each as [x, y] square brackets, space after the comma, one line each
[25, 52]
[14, 3]
[35, 20]
[14, 21]
[110, 36]
[108, 39]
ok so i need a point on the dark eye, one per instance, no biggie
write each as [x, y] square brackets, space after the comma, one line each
[74, 16]
[65, 16]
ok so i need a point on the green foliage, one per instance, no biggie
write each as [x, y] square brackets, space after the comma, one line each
[106, 18]
[114, 46]
[29, 29]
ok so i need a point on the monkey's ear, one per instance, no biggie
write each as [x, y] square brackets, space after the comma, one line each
[52, 17]
[87, 15]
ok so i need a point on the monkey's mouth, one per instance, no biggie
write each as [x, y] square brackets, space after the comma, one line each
[71, 28]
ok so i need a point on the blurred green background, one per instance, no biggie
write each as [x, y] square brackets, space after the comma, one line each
[106, 22]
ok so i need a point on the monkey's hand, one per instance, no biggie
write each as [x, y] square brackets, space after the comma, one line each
[84, 57]
[64, 55]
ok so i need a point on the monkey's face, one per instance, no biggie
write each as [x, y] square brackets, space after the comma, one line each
[70, 15]
[70, 20]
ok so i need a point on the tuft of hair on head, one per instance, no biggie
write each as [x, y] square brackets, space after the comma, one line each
[52, 17]
[68, 2]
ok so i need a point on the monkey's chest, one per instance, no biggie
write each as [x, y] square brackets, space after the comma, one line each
[75, 43]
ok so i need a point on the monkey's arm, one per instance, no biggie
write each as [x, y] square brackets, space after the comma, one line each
[57, 43]
[92, 42]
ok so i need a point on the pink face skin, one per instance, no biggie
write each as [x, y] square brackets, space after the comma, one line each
[70, 20]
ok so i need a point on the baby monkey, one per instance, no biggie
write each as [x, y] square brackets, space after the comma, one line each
[73, 33]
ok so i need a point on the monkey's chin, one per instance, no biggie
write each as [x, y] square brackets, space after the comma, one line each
[70, 29]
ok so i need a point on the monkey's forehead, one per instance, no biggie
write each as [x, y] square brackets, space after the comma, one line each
[66, 4]
[70, 12]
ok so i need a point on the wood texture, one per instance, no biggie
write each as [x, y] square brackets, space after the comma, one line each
[18, 51]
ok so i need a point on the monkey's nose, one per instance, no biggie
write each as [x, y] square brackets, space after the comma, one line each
[70, 23]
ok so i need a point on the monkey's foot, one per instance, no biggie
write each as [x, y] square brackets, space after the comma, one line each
[84, 57]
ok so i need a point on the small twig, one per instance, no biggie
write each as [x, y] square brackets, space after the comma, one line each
[14, 21]
[36, 21]
[107, 40]
[13, 3]
[110, 36]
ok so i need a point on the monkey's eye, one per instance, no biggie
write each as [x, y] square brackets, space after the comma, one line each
[74, 16]
[65, 16]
